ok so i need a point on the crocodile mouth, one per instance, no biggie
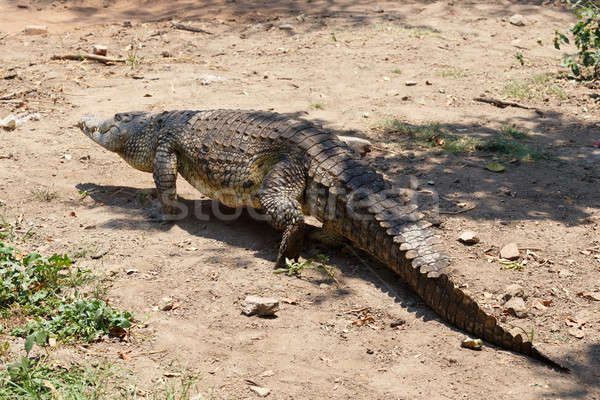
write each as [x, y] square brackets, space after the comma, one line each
[91, 124]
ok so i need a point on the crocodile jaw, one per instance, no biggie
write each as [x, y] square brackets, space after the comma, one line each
[101, 131]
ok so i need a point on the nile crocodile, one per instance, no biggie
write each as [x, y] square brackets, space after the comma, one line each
[289, 168]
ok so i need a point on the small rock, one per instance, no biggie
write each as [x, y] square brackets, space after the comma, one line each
[473, 344]
[262, 306]
[517, 20]
[168, 304]
[378, 9]
[468, 237]
[166, 54]
[260, 391]
[127, 24]
[286, 27]
[52, 342]
[9, 123]
[510, 251]
[514, 290]
[410, 83]
[35, 30]
[578, 333]
[564, 273]
[100, 50]
[268, 373]
[516, 306]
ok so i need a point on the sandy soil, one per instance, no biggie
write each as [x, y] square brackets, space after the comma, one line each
[343, 64]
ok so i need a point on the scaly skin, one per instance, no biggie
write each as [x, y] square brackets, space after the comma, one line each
[290, 168]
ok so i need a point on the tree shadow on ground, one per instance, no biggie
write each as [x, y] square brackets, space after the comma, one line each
[356, 12]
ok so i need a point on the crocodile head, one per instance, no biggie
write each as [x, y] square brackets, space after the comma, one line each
[114, 133]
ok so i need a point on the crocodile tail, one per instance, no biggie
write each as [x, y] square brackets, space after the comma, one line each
[355, 201]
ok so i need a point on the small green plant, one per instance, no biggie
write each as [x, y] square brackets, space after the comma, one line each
[318, 106]
[512, 148]
[47, 289]
[520, 58]
[333, 37]
[512, 132]
[296, 268]
[396, 71]
[83, 194]
[81, 320]
[44, 194]
[16, 230]
[535, 87]
[506, 141]
[134, 59]
[586, 33]
[38, 379]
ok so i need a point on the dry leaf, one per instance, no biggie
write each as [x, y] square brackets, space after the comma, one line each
[364, 320]
[538, 305]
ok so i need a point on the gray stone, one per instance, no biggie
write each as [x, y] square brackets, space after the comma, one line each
[286, 27]
[410, 83]
[510, 251]
[468, 237]
[262, 306]
[514, 290]
[516, 306]
[517, 20]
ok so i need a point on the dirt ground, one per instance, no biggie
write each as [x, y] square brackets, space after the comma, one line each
[344, 64]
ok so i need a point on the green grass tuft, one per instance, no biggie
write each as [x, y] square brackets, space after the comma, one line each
[535, 87]
[507, 140]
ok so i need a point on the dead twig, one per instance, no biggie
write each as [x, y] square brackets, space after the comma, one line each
[93, 57]
[15, 94]
[458, 212]
[190, 28]
[504, 104]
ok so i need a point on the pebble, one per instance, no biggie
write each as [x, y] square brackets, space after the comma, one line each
[468, 237]
[578, 333]
[516, 306]
[260, 391]
[410, 83]
[286, 27]
[35, 30]
[262, 306]
[473, 344]
[517, 20]
[100, 50]
[9, 123]
[510, 251]
[564, 273]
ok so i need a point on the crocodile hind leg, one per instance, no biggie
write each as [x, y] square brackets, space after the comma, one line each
[278, 196]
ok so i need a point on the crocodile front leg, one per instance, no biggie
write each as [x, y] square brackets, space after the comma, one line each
[278, 196]
[165, 178]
